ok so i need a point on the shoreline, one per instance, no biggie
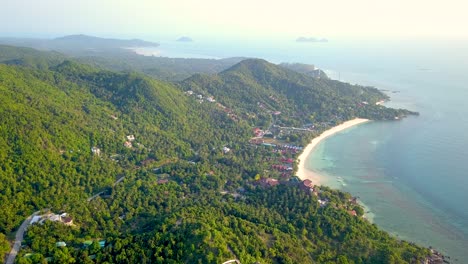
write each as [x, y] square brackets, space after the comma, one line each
[303, 172]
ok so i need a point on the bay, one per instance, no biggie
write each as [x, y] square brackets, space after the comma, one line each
[411, 174]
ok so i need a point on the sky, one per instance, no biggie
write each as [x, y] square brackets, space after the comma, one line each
[236, 18]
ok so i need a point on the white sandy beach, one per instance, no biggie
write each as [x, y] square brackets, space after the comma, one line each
[304, 173]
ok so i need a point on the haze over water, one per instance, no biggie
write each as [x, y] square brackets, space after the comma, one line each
[411, 174]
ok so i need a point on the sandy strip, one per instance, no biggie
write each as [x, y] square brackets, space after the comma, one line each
[304, 173]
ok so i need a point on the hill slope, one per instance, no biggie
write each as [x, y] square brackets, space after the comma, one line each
[29, 57]
[175, 194]
[257, 86]
[54, 117]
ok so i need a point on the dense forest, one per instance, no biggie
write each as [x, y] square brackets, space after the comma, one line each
[148, 171]
[256, 86]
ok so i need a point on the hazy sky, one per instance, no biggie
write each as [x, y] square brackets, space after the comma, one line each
[237, 18]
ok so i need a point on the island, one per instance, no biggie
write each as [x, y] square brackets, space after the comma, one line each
[311, 39]
[185, 39]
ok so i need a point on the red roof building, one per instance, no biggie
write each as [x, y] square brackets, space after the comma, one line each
[67, 220]
[307, 185]
[352, 212]
[268, 182]
[163, 181]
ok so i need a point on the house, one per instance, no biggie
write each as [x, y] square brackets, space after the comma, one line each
[258, 132]
[285, 160]
[226, 150]
[211, 99]
[96, 151]
[130, 138]
[353, 200]
[67, 220]
[268, 182]
[307, 185]
[128, 144]
[272, 182]
[87, 243]
[60, 244]
[63, 218]
[163, 181]
[322, 202]
[102, 243]
[352, 212]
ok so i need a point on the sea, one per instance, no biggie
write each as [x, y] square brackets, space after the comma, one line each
[412, 174]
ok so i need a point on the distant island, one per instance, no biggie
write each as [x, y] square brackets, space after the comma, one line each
[80, 45]
[311, 39]
[91, 41]
[185, 39]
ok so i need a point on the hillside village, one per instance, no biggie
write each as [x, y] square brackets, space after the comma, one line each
[283, 154]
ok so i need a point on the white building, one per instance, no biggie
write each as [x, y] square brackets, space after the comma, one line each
[96, 151]
[226, 150]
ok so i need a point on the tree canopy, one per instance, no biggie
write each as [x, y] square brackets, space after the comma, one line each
[151, 174]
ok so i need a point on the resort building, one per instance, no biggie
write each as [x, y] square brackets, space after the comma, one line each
[307, 185]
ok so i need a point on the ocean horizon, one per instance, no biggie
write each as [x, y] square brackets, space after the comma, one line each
[411, 174]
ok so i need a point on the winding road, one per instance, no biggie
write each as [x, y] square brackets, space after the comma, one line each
[20, 232]
[19, 238]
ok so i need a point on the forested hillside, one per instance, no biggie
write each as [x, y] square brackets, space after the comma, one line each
[152, 174]
[29, 57]
[257, 86]
[167, 69]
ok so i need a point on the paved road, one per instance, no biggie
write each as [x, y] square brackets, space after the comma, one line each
[20, 233]
[19, 239]
[94, 196]
[232, 261]
[119, 180]
[99, 193]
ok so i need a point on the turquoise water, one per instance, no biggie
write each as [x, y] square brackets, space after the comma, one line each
[411, 174]
[377, 165]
